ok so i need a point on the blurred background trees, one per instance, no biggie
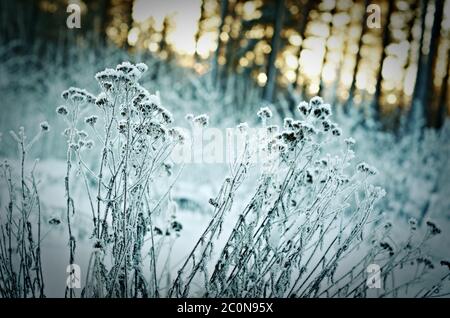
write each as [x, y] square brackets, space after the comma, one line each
[291, 49]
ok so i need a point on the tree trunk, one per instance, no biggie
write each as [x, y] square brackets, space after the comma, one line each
[302, 30]
[275, 44]
[443, 107]
[198, 34]
[386, 41]
[410, 40]
[215, 65]
[412, 116]
[324, 59]
[104, 21]
[351, 93]
[431, 61]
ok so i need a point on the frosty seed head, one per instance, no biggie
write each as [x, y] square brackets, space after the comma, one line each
[125, 79]
[288, 137]
[77, 95]
[66, 132]
[201, 120]
[146, 108]
[326, 110]
[276, 146]
[65, 95]
[189, 117]
[445, 263]
[90, 98]
[309, 177]
[142, 67]
[343, 179]
[125, 67]
[91, 120]
[78, 98]
[350, 142]
[177, 135]
[287, 123]
[264, 113]
[433, 228]
[376, 192]
[213, 202]
[365, 168]
[304, 108]
[106, 85]
[387, 226]
[412, 223]
[242, 127]
[122, 126]
[297, 125]
[309, 129]
[101, 100]
[54, 221]
[131, 71]
[387, 247]
[272, 129]
[82, 134]
[142, 95]
[317, 112]
[426, 261]
[176, 226]
[336, 132]
[316, 102]
[326, 125]
[114, 77]
[89, 144]
[155, 130]
[123, 111]
[166, 115]
[62, 110]
[44, 126]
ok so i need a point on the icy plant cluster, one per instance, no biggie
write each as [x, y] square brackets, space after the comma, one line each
[308, 212]
[133, 134]
[311, 228]
[21, 274]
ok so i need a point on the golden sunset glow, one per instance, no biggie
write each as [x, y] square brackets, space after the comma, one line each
[326, 54]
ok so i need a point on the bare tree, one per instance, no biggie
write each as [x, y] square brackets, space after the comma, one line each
[385, 42]
[352, 89]
[215, 64]
[302, 30]
[443, 100]
[428, 87]
[275, 44]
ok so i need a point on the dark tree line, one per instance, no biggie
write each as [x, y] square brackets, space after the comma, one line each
[433, 103]
[38, 24]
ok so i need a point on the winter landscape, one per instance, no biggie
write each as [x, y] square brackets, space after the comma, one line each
[224, 148]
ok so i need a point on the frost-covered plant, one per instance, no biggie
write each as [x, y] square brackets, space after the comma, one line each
[20, 225]
[308, 212]
[311, 227]
[133, 132]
